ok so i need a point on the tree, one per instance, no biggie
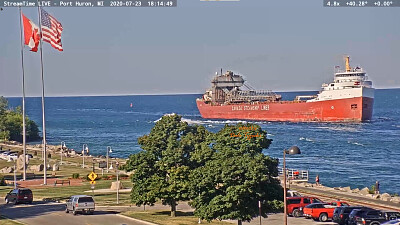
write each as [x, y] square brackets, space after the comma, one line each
[11, 124]
[3, 105]
[238, 175]
[162, 169]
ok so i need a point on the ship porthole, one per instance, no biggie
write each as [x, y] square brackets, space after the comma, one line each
[332, 107]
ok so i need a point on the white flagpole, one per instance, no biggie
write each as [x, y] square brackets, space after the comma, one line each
[43, 118]
[23, 95]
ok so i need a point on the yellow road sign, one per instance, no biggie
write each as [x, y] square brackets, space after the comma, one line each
[92, 176]
[92, 182]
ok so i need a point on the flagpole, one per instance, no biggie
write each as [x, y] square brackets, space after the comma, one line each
[43, 117]
[23, 95]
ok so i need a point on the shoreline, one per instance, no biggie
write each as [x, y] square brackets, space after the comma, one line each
[55, 150]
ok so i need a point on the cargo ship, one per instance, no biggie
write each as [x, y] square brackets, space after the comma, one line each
[349, 98]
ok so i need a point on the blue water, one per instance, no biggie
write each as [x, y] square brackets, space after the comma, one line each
[353, 155]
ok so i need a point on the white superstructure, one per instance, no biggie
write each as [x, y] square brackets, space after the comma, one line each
[351, 83]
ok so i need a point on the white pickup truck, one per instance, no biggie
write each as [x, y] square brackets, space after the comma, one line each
[80, 203]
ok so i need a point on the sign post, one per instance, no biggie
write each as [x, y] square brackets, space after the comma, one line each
[92, 176]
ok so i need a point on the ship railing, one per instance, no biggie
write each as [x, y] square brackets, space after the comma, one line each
[256, 93]
[295, 175]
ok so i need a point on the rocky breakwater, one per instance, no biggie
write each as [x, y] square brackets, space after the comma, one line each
[347, 193]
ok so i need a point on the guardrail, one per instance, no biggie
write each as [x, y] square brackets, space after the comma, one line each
[295, 175]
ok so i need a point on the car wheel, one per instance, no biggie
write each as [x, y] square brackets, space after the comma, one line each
[296, 213]
[323, 217]
[7, 201]
[66, 210]
[91, 212]
[74, 212]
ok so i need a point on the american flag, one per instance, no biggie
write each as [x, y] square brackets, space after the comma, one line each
[51, 30]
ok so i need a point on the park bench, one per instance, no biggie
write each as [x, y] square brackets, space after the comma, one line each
[62, 182]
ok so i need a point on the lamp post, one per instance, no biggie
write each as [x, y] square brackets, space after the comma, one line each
[109, 150]
[84, 148]
[62, 150]
[15, 177]
[116, 168]
[294, 150]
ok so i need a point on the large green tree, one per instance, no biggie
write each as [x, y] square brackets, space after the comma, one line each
[11, 124]
[237, 176]
[161, 171]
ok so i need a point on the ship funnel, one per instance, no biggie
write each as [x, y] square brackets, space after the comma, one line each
[347, 60]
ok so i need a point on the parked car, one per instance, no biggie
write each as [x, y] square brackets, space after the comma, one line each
[12, 156]
[341, 214]
[4, 155]
[295, 203]
[291, 193]
[80, 203]
[392, 222]
[376, 217]
[322, 211]
[355, 214]
[19, 195]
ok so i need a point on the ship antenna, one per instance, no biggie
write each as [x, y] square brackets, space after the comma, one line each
[348, 68]
[221, 71]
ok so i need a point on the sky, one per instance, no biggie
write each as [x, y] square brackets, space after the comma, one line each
[287, 45]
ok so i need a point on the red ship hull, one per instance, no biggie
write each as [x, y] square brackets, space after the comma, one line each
[357, 109]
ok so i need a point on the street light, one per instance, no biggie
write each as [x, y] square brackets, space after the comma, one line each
[294, 150]
[62, 150]
[83, 154]
[109, 150]
[116, 167]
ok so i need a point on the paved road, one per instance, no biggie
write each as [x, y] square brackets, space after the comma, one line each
[277, 219]
[53, 213]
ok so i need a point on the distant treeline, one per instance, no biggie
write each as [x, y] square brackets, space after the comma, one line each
[11, 124]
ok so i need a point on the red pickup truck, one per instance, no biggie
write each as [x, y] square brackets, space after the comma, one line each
[322, 211]
[295, 203]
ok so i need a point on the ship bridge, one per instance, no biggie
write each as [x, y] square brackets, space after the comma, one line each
[351, 82]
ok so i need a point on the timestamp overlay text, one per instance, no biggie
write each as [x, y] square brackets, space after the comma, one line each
[88, 3]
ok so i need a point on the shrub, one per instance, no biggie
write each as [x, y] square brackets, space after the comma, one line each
[49, 155]
[75, 175]
[372, 189]
[35, 153]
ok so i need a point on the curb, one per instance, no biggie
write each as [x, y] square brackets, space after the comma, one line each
[136, 220]
[17, 221]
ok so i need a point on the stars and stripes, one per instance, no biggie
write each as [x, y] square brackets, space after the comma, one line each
[51, 30]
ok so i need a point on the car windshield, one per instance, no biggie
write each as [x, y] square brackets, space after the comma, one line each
[26, 192]
[316, 200]
[85, 199]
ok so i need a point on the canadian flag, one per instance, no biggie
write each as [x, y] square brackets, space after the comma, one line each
[31, 34]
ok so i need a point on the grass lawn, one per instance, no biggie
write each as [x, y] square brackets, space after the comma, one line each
[164, 218]
[70, 165]
[5, 221]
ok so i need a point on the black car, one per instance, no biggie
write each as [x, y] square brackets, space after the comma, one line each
[341, 214]
[355, 215]
[19, 195]
[376, 217]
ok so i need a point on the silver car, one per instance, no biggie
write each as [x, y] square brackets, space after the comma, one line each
[80, 203]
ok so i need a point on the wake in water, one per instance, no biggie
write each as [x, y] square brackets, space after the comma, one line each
[306, 139]
[355, 143]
